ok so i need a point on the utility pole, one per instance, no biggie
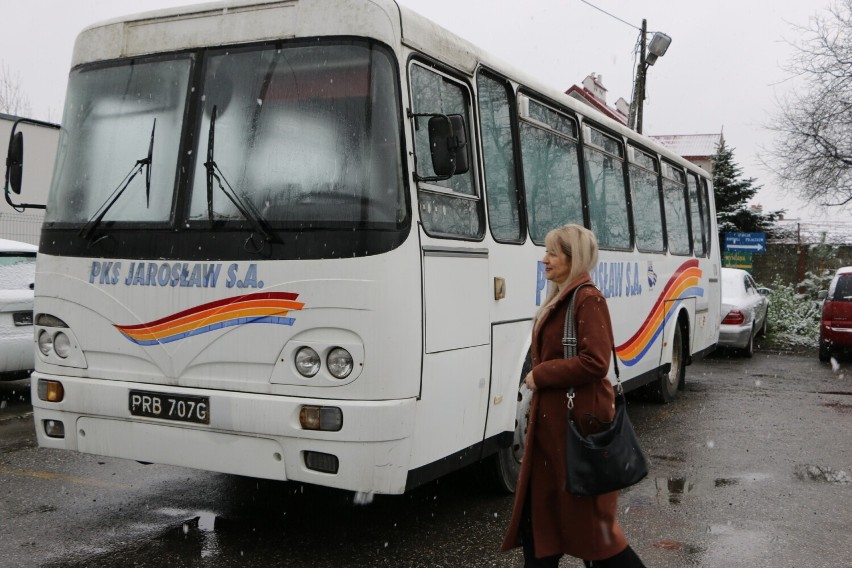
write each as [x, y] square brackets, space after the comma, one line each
[647, 57]
[635, 119]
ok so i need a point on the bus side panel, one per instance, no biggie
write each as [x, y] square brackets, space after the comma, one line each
[510, 343]
[453, 403]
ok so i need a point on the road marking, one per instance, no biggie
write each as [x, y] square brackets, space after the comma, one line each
[56, 477]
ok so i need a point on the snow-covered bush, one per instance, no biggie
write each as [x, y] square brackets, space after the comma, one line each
[794, 316]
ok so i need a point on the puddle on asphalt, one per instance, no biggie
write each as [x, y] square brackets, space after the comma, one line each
[676, 489]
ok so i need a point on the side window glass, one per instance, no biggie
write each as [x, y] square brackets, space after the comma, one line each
[647, 203]
[605, 191]
[705, 213]
[677, 220]
[498, 156]
[449, 207]
[695, 216]
[551, 168]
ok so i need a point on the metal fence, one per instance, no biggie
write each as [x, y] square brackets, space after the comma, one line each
[25, 227]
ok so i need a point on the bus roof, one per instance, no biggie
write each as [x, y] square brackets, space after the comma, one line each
[230, 22]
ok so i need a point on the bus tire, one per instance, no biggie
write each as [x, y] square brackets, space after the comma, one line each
[665, 388]
[504, 467]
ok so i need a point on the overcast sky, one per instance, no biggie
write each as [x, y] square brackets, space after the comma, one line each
[722, 71]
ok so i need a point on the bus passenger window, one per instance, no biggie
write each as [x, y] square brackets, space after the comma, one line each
[551, 170]
[647, 205]
[677, 219]
[448, 207]
[705, 214]
[498, 155]
[695, 216]
[604, 159]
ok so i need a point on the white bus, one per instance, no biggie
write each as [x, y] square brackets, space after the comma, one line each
[300, 241]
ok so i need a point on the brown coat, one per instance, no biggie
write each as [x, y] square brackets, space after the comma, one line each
[583, 527]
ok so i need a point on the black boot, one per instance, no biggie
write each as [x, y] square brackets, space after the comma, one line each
[627, 558]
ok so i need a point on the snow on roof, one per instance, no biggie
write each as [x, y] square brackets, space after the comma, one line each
[690, 145]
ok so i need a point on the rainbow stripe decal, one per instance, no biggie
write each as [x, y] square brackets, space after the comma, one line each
[261, 307]
[684, 283]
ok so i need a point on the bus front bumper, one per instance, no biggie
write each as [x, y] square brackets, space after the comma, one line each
[255, 435]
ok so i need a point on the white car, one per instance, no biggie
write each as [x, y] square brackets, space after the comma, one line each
[744, 310]
[17, 277]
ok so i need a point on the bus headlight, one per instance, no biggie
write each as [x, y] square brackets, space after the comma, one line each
[307, 362]
[45, 343]
[339, 363]
[62, 345]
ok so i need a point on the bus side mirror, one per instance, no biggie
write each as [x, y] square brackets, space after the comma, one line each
[822, 294]
[448, 145]
[15, 162]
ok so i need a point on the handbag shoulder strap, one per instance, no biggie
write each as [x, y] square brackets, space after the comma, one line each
[569, 345]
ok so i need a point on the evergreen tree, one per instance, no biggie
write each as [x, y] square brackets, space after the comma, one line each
[732, 192]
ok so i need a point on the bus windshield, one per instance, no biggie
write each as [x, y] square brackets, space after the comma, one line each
[308, 135]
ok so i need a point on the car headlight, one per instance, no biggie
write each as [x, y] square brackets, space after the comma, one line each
[307, 362]
[339, 363]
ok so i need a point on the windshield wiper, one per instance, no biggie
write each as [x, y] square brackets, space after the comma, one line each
[245, 207]
[95, 220]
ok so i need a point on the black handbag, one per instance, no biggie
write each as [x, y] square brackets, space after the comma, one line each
[606, 461]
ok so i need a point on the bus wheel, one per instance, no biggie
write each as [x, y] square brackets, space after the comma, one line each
[504, 467]
[666, 387]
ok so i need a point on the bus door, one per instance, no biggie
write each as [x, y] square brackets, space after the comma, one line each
[456, 294]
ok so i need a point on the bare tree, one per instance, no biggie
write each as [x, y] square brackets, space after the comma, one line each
[812, 153]
[12, 98]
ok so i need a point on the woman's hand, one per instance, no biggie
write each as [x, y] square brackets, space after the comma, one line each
[529, 381]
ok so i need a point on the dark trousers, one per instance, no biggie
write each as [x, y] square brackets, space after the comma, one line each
[627, 558]
[530, 561]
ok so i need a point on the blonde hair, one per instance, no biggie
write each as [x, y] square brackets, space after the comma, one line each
[577, 243]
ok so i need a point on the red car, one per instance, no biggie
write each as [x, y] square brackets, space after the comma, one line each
[835, 329]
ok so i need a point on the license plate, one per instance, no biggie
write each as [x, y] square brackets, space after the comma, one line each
[22, 318]
[181, 408]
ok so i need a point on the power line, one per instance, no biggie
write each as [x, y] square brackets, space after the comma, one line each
[611, 15]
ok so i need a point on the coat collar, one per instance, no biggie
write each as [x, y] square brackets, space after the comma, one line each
[563, 293]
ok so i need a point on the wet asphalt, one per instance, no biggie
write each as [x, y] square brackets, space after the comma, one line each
[750, 466]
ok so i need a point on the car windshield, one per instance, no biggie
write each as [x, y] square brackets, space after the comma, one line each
[17, 270]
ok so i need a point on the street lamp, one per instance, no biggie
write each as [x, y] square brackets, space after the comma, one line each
[657, 48]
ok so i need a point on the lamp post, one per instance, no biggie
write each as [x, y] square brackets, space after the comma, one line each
[657, 48]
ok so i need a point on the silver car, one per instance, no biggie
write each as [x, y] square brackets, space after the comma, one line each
[17, 275]
[744, 310]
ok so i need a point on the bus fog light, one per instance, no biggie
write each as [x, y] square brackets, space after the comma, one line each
[318, 461]
[62, 344]
[307, 362]
[339, 363]
[45, 343]
[328, 418]
[50, 391]
[54, 429]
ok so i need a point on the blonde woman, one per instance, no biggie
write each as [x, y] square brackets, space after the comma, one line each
[546, 520]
